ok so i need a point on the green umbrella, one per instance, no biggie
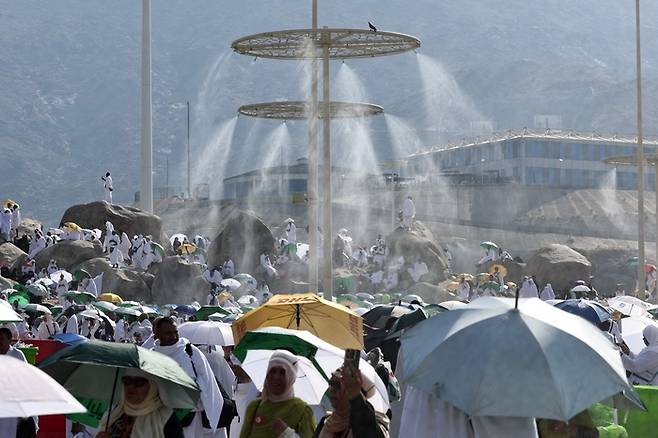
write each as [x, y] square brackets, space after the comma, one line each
[129, 304]
[105, 306]
[20, 298]
[38, 290]
[158, 249]
[56, 310]
[79, 274]
[488, 244]
[92, 369]
[490, 285]
[206, 311]
[84, 297]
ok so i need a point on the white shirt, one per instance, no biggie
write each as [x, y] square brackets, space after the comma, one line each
[16, 353]
[108, 182]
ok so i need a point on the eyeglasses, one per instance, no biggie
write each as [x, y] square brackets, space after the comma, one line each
[136, 382]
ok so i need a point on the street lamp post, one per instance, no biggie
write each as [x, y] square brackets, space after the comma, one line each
[640, 157]
[146, 191]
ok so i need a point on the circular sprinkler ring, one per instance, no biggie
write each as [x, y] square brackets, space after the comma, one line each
[342, 43]
[299, 110]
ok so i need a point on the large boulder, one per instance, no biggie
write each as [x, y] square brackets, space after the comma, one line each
[179, 282]
[285, 286]
[11, 256]
[27, 227]
[559, 265]
[68, 253]
[243, 239]
[130, 220]
[610, 267]
[124, 282]
[6, 283]
[419, 243]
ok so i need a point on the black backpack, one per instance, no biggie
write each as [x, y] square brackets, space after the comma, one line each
[229, 410]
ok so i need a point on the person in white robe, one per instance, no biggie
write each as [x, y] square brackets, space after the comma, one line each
[228, 269]
[109, 230]
[266, 264]
[125, 245]
[291, 231]
[61, 289]
[408, 213]
[108, 187]
[37, 245]
[72, 325]
[52, 267]
[418, 270]
[547, 293]
[528, 288]
[424, 415]
[16, 219]
[5, 224]
[464, 289]
[213, 277]
[498, 276]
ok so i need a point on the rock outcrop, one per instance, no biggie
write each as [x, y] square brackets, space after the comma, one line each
[177, 281]
[243, 239]
[431, 293]
[11, 256]
[130, 220]
[27, 227]
[419, 243]
[124, 282]
[559, 265]
[68, 253]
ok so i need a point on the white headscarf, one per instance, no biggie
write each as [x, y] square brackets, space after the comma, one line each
[150, 415]
[287, 361]
[650, 333]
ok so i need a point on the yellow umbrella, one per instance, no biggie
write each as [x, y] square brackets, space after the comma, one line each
[482, 276]
[223, 297]
[452, 286]
[9, 203]
[187, 248]
[502, 269]
[329, 321]
[511, 284]
[466, 275]
[110, 298]
[72, 226]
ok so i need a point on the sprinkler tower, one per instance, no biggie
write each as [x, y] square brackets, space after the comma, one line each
[323, 44]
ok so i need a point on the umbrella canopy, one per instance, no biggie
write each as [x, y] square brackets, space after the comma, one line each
[412, 297]
[36, 309]
[57, 274]
[247, 280]
[27, 391]
[501, 268]
[590, 310]
[466, 275]
[631, 331]
[128, 311]
[230, 284]
[325, 357]
[158, 249]
[93, 369]
[187, 248]
[110, 298]
[648, 267]
[9, 203]
[206, 311]
[81, 296]
[530, 361]
[79, 274]
[7, 313]
[19, 298]
[38, 290]
[580, 288]
[631, 306]
[180, 237]
[188, 310]
[72, 226]
[207, 333]
[327, 320]
[490, 285]
[247, 300]
[379, 316]
[105, 306]
[452, 305]
[56, 310]
[129, 304]
[488, 244]
[452, 286]
[365, 296]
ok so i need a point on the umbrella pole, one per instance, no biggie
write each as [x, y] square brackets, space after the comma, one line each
[298, 315]
[516, 301]
[109, 411]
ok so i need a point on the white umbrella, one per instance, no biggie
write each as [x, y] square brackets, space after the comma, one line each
[207, 333]
[580, 288]
[302, 250]
[631, 331]
[492, 359]
[631, 306]
[452, 304]
[310, 386]
[67, 275]
[230, 284]
[180, 236]
[246, 300]
[27, 391]
[89, 313]
[7, 313]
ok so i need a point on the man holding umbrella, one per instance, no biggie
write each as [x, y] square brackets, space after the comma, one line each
[195, 364]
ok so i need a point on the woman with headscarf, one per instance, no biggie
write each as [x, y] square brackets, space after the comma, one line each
[141, 413]
[352, 416]
[547, 293]
[277, 412]
[643, 366]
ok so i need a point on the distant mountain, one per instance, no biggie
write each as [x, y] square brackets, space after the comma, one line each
[69, 83]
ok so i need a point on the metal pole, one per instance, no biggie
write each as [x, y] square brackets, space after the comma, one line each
[189, 162]
[312, 178]
[146, 194]
[327, 268]
[167, 178]
[655, 169]
[640, 157]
